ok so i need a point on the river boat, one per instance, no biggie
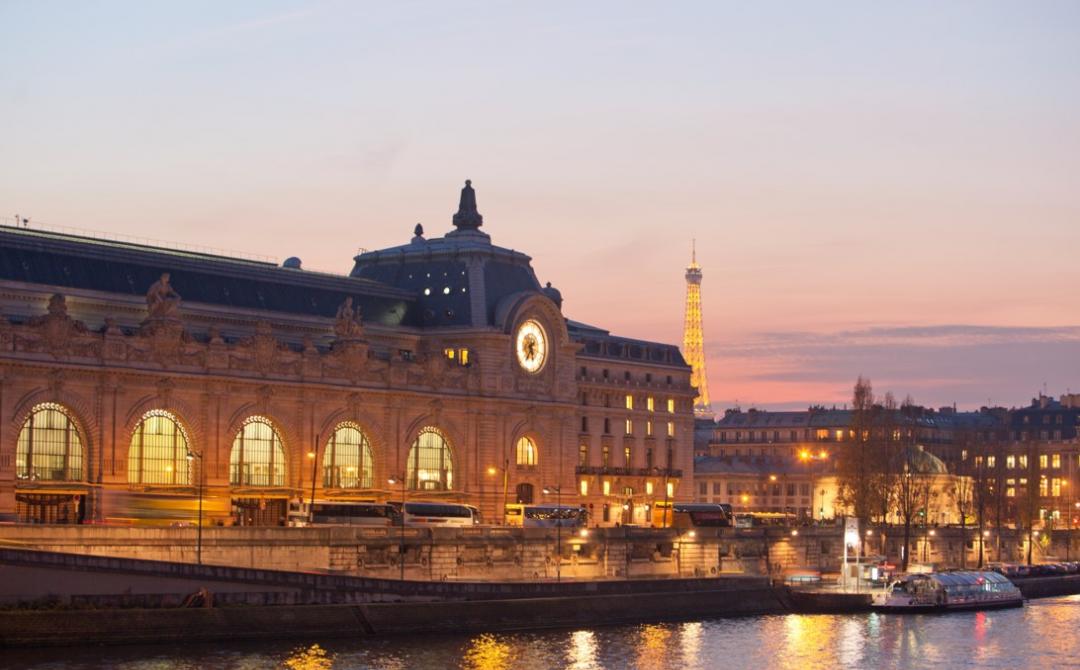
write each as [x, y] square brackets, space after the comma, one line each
[949, 591]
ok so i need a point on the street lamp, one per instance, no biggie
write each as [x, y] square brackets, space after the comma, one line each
[191, 456]
[492, 470]
[401, 544]
[558, 528]
[311, 507]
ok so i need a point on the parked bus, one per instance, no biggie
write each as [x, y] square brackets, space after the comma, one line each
[755, 519]
[341, 513]
[438, 514]
[552, 516]
[689, 515]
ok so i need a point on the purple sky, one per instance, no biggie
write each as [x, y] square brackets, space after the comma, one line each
[886, 190]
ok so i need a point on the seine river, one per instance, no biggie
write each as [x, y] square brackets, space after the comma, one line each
[1041, 635]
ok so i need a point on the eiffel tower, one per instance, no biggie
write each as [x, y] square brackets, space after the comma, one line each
[693, 337]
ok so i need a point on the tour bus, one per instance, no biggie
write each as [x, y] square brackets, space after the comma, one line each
[550, 516]
[341, 513]
[438, 514]
[689, 515]
[754, 519]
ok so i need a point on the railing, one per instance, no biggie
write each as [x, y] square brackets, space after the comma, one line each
[628, 472]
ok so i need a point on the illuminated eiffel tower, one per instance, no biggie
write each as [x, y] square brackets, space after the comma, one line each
[693, 337]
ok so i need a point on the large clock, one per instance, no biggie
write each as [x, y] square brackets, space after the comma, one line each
[531, 346]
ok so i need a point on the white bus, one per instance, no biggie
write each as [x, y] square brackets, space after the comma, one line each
[341, 513]
[439, 514]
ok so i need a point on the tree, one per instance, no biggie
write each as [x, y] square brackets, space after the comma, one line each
[963, 498]
[888, 449]
[855, 466]
[912, 496]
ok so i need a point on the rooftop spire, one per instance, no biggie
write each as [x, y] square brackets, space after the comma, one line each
[467, 218]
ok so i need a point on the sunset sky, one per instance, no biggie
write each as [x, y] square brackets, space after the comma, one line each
[886, 190]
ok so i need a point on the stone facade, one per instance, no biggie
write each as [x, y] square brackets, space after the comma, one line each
[225, 343]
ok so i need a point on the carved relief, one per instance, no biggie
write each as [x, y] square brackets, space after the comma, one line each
[262, 353]
[57, 333]
[349, 324]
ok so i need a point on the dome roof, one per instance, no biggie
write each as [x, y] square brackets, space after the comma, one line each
[920, 461]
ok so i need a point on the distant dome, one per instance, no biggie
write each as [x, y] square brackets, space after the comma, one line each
[553, 293]
[292, 262]
[921, 461]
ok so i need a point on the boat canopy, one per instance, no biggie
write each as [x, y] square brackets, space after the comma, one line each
[969, 581]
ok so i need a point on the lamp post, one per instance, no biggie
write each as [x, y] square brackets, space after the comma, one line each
[558, 528]
[191, 456]
[401, 544]
[505, 480]
[809, 459]
[312, 456]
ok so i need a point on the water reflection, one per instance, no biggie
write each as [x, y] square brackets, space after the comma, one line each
[581, 653]
[488, 652]
[1039, 635]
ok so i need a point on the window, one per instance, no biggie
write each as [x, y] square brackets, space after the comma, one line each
[258, 456]
[49, 447]
[1010, 462]
[804, 489]
[649, 458]
[584, 424]
[671, 405]
[607, 490]
[347, 462]
[431, 465]
[583, 454]
[671, 429]
[1055, 461]
[822, 434]
[776, 436]
[703, 488]
[629, 401]
[648, 488]
[1023, 460]
[794, 436]
[670, 457]
[158, 451]
[791, 490]
[650, 404]
[584, 487]
[1055, 487]
[648, 428]
[628, 454]
[991, 461]
[629, 426]
[1043, 487]
[524, 493]
[605, 456]
[839, 435]
[526, 451]
[607, 426]
[670, 490]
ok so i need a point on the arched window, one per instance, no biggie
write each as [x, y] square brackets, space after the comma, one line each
[525, 494]
[49, 447]
[258, 457]
[347, 459]
[430, 466]
[526, 451]
[159, 450]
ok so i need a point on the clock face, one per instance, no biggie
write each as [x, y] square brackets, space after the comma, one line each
[531, 346]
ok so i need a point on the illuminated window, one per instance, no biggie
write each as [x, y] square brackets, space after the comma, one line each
[648, 488]
[607, 488]
[1010, 488]
[430, 466]
[1055, 461]
[629, 426]
[526, 451]
[822, 434]
[463, 356]
[1055, 487]
[605, 456]
[991, 461]
[1044, 461]
[1010, 462]
[1043, 486]
[648, 428]
[627, 455]
[671, 429]
[839, 435]
[49, 447]
[671, 405]
[258, 455]
[670, 489]
[583, 454]
[450, 354]
[650, 403]
[584, 487]
[347, 462]
[158, 451]
[1023, 461]
[629, 401]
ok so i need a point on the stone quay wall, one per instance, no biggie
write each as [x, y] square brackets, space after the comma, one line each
[530, 554]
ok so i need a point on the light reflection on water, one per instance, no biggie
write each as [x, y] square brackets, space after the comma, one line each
[1039, 635]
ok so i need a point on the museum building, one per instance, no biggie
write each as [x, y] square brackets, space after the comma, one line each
[136, 379]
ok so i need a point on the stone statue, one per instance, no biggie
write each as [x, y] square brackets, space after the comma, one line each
[349, 320]
[162, 300]
[467, 217]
